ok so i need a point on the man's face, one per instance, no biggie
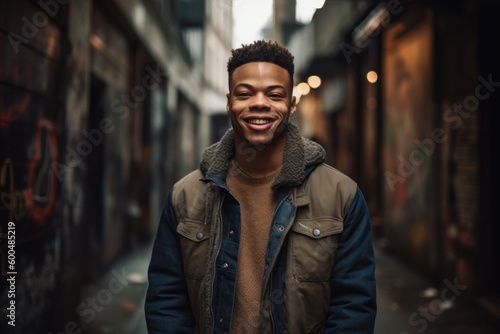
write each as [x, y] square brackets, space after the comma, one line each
[260, 102]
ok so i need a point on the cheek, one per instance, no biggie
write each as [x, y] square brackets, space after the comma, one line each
[286, 111]
[233, 116]
[235, 108]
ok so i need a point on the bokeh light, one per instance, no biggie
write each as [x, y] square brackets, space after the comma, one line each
[372, 76]
[314, 81]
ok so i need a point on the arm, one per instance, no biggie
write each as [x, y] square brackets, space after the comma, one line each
[167, 308]
[353, 297]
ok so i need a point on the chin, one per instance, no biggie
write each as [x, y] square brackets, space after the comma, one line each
[259, 141]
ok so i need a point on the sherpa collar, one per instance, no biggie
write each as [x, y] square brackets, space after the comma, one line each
[299, 154]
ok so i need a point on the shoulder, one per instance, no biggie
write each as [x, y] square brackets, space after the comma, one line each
[327, 184]
[189, 185]
[190, 180]
[332, 177]
[188, 195]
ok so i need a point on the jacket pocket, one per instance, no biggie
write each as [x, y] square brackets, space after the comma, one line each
[195, 237]
[313, 247]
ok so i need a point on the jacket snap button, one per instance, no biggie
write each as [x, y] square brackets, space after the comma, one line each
[231, 232]
[281, 228]
[199, 235]
[225, 266]
[316, 232]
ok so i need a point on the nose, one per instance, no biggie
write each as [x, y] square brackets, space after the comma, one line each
[259, 102]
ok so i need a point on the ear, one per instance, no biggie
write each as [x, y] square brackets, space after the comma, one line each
[228, 98]
[293, 106]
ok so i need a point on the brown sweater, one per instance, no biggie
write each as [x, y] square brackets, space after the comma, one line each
[258, 202]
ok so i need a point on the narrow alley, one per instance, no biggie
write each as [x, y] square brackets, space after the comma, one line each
[105, 105]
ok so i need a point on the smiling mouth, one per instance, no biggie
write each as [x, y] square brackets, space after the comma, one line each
[258, 121]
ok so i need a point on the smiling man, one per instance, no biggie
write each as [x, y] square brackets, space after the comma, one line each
[264, 237]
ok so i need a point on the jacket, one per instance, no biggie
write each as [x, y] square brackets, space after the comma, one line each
[319, 270]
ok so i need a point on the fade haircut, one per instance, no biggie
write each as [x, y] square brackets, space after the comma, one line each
[261, 51]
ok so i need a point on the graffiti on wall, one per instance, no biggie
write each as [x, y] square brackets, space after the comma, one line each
[37, 198]
[28, 190]
[408, 116]
[28, 184]
[35, 283]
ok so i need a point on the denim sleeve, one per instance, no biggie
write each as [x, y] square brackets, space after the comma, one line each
[167, 306]
[353, 296]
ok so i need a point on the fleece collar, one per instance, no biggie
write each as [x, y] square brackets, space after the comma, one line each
[299, 154]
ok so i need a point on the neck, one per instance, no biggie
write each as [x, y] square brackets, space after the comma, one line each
[260, 161]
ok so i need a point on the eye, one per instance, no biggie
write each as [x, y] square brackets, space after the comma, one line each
[275, 96]
[243, 94]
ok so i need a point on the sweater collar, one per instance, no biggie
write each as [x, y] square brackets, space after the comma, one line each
[299, 154]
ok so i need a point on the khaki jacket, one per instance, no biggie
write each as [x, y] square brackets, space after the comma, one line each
[299, 293]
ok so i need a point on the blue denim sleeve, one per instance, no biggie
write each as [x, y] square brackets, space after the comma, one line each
[167, 307]
[353, 293]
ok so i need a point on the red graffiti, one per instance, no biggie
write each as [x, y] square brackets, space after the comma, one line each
[37, 198]
[42, 180]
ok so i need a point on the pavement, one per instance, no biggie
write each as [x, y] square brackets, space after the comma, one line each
[407, 302]
[115, 303]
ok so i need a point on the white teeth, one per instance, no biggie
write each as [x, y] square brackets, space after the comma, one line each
[259, 121]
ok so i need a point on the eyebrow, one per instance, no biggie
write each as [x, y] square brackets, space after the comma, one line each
[267, 88]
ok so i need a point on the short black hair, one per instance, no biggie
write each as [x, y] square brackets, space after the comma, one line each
[261, 51]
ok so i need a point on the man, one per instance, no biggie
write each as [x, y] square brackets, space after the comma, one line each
[264, 237]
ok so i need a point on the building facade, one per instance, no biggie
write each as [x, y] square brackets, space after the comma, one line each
[406, 106]
[103, 106]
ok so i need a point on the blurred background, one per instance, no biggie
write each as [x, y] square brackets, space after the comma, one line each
[105, 104]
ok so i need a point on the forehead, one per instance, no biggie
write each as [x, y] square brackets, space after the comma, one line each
[262, 73]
